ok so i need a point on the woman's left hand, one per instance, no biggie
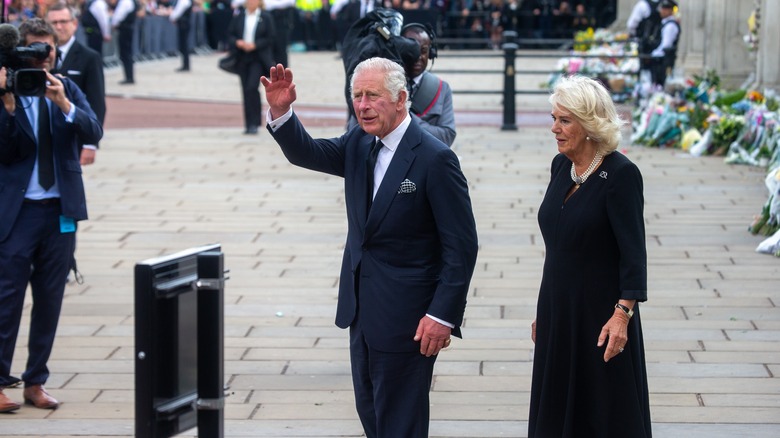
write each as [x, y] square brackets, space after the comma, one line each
[616, 329]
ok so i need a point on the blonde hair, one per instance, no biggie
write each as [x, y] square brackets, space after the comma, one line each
[592, 106]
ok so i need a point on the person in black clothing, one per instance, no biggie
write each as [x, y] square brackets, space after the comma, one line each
[82, 65]
[124, 20]
[217, 22]
[181, 15]
[581, 20]
[664, 55]
[96, 24]
[251, 34]
[589, 374]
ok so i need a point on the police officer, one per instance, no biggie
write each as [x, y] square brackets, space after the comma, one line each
[665, 55]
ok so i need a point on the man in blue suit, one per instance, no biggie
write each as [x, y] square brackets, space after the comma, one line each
[41, 199]
[411, 243]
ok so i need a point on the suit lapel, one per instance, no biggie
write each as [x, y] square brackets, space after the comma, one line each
[396, 172]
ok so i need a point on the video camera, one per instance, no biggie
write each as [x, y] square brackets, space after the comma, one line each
[22, 80]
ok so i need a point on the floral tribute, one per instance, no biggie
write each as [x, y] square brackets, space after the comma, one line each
[701, 118]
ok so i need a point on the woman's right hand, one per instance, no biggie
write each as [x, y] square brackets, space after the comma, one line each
[533, 331]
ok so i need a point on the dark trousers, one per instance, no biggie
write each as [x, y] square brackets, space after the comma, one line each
[250, 72]
[34, 252]
[126, 51]
[283, 19]
[95, 40]
[183, 35]
[391, 389]
[661, 67]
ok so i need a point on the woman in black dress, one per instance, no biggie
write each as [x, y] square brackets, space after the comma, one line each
[589, 376]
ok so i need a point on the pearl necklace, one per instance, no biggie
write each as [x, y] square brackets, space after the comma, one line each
[582, 178]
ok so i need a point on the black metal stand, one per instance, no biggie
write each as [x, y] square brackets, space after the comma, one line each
[211, 389]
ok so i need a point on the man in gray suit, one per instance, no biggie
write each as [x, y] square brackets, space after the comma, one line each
[411, 241]
[431, 97]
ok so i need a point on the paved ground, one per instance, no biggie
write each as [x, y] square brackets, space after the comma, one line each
[176, 172]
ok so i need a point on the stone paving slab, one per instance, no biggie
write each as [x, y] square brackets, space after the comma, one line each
[711, 323]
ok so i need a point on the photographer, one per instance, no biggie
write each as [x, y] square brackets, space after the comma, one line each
[42, 200]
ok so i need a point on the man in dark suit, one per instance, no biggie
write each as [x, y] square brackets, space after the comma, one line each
[81, 64]
[123, 19]
[411, 243]
[40, 203]
[431, 96]
[181, 16]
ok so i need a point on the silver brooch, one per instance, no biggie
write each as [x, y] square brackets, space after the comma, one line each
[603, 174]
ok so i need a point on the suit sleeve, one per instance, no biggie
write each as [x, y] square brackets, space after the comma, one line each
[85, 122]
[452, 211]
[300, 149]
[10, 152]
[95, 89]
[443, 127]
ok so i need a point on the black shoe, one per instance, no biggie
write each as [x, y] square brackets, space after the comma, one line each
[252, 130]
[181, 69]
[127, 82]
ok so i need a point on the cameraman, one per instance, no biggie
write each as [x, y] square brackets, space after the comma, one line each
[42, 199]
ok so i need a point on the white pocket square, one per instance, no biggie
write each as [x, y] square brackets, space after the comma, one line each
[407, 187]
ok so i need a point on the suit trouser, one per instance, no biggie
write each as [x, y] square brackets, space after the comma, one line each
[35, 252]
[250, 72]
[391, 389]
[126, 51]
[183, 35]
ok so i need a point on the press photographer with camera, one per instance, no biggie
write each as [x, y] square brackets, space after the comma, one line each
[41, 201]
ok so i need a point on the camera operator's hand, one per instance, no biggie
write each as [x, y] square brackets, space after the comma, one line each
[55, 92]
[8, 98]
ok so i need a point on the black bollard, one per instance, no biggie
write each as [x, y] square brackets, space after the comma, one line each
[509, 48]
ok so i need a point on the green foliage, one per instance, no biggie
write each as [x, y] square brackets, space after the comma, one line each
[726, 100]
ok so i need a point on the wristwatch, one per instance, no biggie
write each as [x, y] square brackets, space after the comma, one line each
[628, 311]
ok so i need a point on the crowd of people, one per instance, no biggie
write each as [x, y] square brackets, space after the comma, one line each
[321, 25]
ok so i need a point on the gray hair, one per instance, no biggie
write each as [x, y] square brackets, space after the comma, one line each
[590, 103]
[395, 76]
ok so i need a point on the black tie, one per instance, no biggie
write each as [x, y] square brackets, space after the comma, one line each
[45, 159]
[370, 168]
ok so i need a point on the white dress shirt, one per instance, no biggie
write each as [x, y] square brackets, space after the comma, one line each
[669, 34]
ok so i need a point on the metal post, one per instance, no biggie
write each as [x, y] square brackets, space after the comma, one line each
[509, 48]
[211, 374]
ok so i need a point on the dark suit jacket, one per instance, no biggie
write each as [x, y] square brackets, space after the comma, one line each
[18, 150]
[415, 252]
[84, 67]
[265, 32]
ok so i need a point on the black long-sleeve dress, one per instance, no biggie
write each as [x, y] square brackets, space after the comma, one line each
[595, 255]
